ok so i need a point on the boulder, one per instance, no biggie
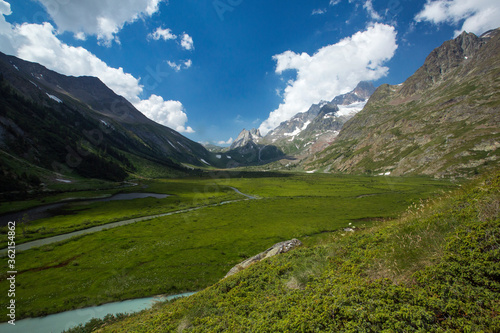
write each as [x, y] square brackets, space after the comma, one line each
[276, 249]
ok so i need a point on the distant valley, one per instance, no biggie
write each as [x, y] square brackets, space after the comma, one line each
[376, 184]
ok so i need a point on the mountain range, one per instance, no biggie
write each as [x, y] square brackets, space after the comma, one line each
[304, 133]
[442, 121]
[77, 126]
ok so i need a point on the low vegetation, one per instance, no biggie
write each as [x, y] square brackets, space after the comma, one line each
[434, 269]
[193, 250]
[186, 193]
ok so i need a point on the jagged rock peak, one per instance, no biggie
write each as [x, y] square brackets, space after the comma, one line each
[364, 89]
[245, 137]
[351, 102]
[362, 92]
[444, 59]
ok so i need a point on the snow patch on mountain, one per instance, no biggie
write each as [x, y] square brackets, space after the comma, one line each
[54, 98]
[351, 109]
[298, 130]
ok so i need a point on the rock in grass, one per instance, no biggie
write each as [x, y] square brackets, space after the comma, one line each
[276, 249]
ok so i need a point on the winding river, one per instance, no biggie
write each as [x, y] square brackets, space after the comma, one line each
[62, 321]
[59, 238]
[45, 211]
[59, 322]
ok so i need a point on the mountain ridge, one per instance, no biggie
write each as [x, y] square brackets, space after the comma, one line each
[301, 121]
[441, 121]
[71, 125]
[304, 133]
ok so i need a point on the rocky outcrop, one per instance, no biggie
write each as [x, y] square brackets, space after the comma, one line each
[361, 93]
[442, 61]
[245, 137]
[276, 249]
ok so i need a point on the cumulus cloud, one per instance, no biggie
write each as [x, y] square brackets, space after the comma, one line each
[168, 113]
[4, 9]
[5, 28]
[39, 43]
[103, 19]
[475, 16]
[228, 142]
[187, 42]
[160, 33]
[332, 70]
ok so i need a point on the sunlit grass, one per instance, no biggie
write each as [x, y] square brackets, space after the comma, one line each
[434, 269]
[191, 251]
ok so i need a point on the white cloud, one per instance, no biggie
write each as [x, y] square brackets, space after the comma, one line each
[80, 36]
[174, 65]
[228, 142]
[103, 19]
[168, 113]
[332, 70]
[153, 6]
[5, 29]
[39, 43]
[477, 16]
[177, 67]
[165, 34]
[5, 8]
[371, 11]
[188, 63]
[187, 42]
[319, 11]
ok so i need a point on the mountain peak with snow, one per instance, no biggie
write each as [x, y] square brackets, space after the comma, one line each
[348, 105]
[245, 137]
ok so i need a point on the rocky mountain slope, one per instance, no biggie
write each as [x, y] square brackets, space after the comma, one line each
[77, 125]
[442, 121]
[305, 133]
[245, 137]
[249, 149]
[320, 123]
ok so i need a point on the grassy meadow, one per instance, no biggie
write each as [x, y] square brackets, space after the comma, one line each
[193, 250]
[187, 193]
[435, 268]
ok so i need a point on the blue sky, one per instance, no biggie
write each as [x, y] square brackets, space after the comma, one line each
[211, 68]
